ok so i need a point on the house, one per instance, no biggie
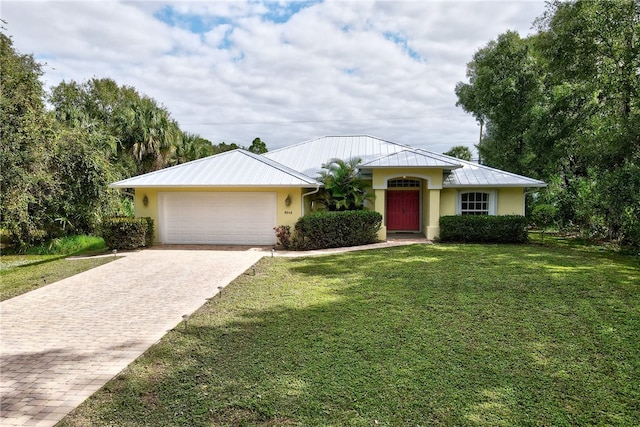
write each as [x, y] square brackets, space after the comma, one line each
[238, 197]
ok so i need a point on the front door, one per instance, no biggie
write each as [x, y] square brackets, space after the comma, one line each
[403, 210]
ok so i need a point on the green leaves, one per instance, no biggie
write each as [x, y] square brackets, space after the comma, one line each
[562, 105]
[344, 189]
[460, 152]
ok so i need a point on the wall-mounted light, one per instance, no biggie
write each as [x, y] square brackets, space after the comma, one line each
[145, 200]
[287, 201]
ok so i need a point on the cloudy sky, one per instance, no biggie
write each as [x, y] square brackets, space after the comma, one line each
[282, 71]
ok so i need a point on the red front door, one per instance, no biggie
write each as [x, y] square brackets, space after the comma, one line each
[403, 210]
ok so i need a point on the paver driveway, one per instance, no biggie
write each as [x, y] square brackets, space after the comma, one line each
[62, 342]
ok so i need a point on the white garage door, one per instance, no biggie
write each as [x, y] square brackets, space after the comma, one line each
[217, 218]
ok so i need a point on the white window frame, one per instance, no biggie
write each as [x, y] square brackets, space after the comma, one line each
[492, 199]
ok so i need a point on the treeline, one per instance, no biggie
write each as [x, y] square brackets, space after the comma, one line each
[562, 105]
[61, 150]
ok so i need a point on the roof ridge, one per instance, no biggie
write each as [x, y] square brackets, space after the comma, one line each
[282, 168]
[417, 151]
[339, 136]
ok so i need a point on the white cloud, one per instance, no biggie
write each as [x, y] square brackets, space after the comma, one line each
[285, 72]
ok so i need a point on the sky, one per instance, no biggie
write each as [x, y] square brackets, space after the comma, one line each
[285, 72]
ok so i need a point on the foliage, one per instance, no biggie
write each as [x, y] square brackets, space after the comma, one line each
[459, 152]
[443, 335]
[283, 234]
[190, 147]
[258, 147]
[320, 230]
[562, 105]
[142, 135]
[56, 166]
[150, 234]
[224, 147]
[503, 85]
[545, 216]
[483, 228]
[29, 194]
[125, 233]
[344, 189]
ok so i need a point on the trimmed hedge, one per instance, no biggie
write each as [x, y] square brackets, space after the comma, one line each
[150, 233]
[127, 233]
[483, 229]
[320, 230]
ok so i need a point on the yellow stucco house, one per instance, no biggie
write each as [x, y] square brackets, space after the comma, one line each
[238, 197]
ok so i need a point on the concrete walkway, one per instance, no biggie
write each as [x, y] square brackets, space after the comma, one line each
[62, 342]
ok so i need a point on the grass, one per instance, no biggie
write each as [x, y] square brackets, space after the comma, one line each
[464, 335]
[573, 241]
[20, 273]
[70, 245]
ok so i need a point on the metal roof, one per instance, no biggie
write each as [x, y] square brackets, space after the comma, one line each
[297, 165]
[475, 175]
[237, 168]
[412, 158]
[309, 156]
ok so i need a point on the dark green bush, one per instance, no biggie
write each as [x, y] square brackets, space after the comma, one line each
[150, 233]
[126, 233]
[320, 230]
[483, 228]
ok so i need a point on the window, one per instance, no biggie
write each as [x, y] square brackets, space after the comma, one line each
[476, 203]
[403, 183]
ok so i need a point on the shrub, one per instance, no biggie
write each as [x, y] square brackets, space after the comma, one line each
[283, 234]
[545, 216]
[150, 233]
[125, 233]
[483, 228]
[320, 230]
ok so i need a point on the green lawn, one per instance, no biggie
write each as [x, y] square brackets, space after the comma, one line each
[24, 273]
[476, 335]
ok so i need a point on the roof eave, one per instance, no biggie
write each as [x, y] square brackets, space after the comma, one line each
[301, 185]
[443, 167]
[542, 185]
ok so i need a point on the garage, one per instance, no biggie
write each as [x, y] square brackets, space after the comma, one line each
[237, 218]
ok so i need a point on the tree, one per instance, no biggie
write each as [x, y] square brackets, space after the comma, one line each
[459, 151]
[258, 147]
[562, 105]
[503, 86]
[191, 147]
[223, 147]
[29, 193]
[592, 54]
[544, 217]
[344, 189]
[143, 134]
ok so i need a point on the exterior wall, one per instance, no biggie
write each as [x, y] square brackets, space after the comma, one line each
[286, 215]
[510, 201]
[379, 205]
[448, 201]
[431, 180]
[433, 177]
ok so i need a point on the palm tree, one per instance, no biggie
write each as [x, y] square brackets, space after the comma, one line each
[344, 189]
[150, 133]
[191, 147]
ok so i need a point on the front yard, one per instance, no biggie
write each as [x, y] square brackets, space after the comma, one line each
[24, 273]
[478, 335]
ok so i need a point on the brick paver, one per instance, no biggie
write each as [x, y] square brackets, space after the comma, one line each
[62, 342]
